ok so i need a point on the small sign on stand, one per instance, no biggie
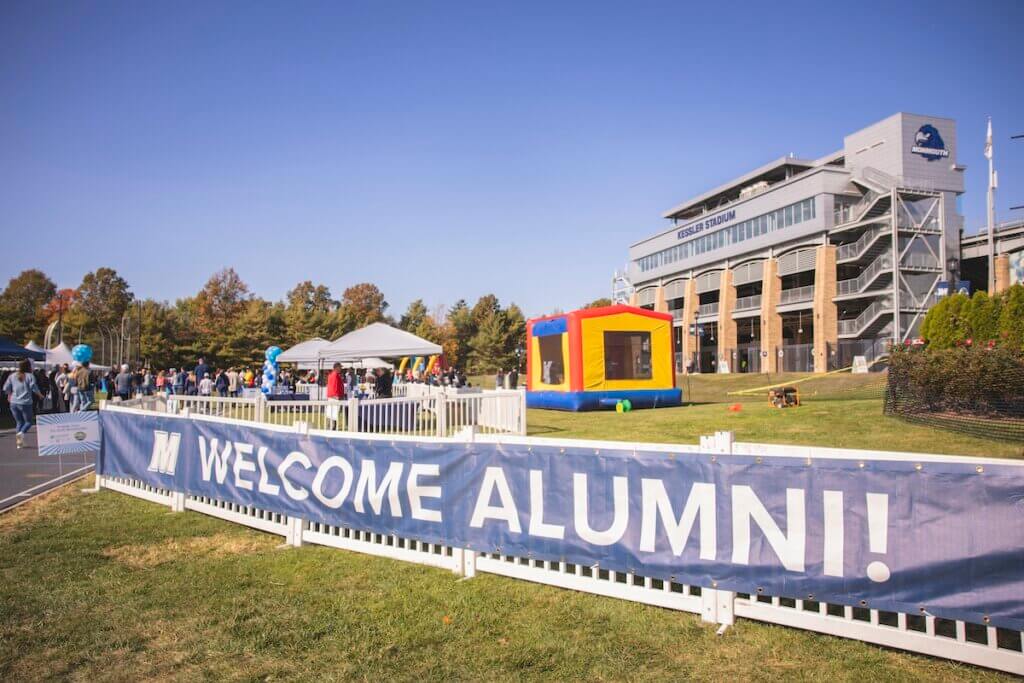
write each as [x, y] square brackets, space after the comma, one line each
[64, 433]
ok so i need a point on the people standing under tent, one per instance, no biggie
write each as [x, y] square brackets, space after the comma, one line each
[123, 383]
[221, 383]
[44, 388]
[82, 388]
[513, 378]
[21, 390]
[335, 384]
[499, 379]
[57, 383]
[249, 376]
[232, 381]
[68, 382]
[350, 383]
[382, 384]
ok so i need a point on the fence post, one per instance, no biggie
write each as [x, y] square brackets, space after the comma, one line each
[467, 561]
[522, 413]
[177, 501]
[441, 405]
[261, 401]
[353, 415]
[718, 605]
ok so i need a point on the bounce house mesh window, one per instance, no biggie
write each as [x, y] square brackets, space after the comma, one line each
[627, 355]
[552, 365]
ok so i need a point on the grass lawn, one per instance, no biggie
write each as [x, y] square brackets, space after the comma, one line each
[842, 411]
[108, 587]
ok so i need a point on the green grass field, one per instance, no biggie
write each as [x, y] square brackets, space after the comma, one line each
[109, 587]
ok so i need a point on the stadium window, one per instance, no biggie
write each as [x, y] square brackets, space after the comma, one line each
[627, 355]
[552, 363]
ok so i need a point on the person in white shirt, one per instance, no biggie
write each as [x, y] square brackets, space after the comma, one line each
[205, 386]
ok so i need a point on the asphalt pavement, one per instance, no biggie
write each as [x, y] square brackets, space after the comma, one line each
[24, 473]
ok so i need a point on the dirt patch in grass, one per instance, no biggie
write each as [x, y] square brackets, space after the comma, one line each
[51, 506]
[197, 547]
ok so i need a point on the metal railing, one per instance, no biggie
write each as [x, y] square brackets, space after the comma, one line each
[855, 249]
[747, 303]
[920, 261]
[797, 295]
[867, 276]
[867, 315]
[708, 309]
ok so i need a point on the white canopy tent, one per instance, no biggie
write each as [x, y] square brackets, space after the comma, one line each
[304, 353]
[32, 346]
[59, 355]
[377, 341]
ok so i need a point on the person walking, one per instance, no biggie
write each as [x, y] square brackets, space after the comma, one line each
[123, 383]
[81, 387]
[22, 390]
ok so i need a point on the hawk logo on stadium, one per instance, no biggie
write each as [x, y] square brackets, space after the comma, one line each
[928, 143]
[165, 452]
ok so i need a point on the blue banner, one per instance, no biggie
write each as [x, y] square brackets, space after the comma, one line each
[939, 538]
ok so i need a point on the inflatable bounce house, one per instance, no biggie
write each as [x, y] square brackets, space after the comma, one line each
[617, 357]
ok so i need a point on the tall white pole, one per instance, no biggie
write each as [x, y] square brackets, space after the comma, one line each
[991, 212]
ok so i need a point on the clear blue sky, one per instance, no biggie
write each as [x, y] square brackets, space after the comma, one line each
[446, 150]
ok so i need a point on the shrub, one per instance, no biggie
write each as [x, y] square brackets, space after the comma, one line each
[981, 319]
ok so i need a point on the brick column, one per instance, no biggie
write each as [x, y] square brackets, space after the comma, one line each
[826, 318]
[634, 299]
[660, 304]
[726, 325]
[1002, 268]
[690, 305]
[771, 321]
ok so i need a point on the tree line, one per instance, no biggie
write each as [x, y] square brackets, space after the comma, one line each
[228, 325]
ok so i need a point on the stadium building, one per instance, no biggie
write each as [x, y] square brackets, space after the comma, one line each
[800, 265]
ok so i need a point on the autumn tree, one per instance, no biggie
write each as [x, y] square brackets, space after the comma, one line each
[23, 302]
[414, 316]
[103, 298]
[308, 311]
[361, 305]
[599, 303]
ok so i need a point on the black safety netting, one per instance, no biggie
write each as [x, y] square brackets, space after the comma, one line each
[977, 391]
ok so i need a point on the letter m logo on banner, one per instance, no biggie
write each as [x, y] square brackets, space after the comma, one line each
[165, 452]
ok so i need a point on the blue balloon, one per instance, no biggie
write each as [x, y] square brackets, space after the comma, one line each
[82, 353]
[272, 353]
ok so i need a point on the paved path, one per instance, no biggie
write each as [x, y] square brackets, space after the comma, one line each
[24, 473]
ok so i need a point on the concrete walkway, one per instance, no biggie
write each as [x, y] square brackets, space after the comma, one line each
[24, 473]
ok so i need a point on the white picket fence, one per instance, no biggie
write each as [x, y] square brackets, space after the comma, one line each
[430, 412]
[977, 644]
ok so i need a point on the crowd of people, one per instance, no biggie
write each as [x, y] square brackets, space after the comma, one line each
[74, 388]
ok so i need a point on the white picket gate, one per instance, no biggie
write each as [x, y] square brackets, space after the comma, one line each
[977, 644]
